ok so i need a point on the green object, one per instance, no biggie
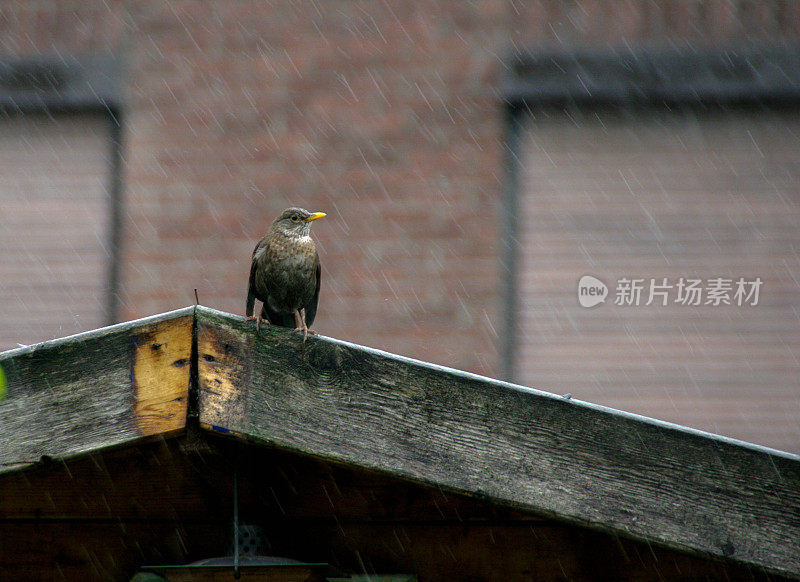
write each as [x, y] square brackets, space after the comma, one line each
[2, 383]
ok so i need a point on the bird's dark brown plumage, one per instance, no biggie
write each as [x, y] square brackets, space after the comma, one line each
[285, 272]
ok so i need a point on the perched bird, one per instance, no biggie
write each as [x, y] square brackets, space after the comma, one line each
[285, 273]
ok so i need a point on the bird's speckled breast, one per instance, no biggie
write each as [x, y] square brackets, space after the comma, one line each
[287, 278]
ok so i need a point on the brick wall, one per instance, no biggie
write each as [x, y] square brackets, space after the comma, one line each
[387, 116]
[383, 118]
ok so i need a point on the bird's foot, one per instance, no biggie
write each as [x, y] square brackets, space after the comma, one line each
[300, 320]
[305, 332]
[258, 321]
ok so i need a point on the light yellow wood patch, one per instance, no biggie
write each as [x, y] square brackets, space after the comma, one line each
[222, 375]
[161, 371]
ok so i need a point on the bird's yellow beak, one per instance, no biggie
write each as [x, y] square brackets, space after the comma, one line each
[315, 216]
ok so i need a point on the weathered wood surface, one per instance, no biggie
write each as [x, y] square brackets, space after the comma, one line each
[169, 501]
[617, 472]
[100, 517]
[97, 389]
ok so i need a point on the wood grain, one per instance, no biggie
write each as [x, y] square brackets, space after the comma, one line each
[169, 501]
[593, 466]
[95, 390]
[378, 462]
[161, 367]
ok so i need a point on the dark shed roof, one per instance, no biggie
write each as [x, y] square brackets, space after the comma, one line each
[532, 452]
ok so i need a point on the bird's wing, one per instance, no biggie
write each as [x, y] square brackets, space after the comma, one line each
[251, 286]
[311, 307]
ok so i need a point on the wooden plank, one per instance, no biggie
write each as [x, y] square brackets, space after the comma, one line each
[96, 389]
[161, 369]
[594, 466]
[159, 480]
[100, 551]
[169, 501]
[101, 516]
[502, 552]
[321, 511]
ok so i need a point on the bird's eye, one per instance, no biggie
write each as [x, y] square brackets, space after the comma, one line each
[295, 218]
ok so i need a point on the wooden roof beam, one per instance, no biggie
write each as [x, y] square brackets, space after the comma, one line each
[609, 470]
[102, 388]
[617, 472]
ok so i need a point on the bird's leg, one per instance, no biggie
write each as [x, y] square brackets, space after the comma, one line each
[300, 321]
